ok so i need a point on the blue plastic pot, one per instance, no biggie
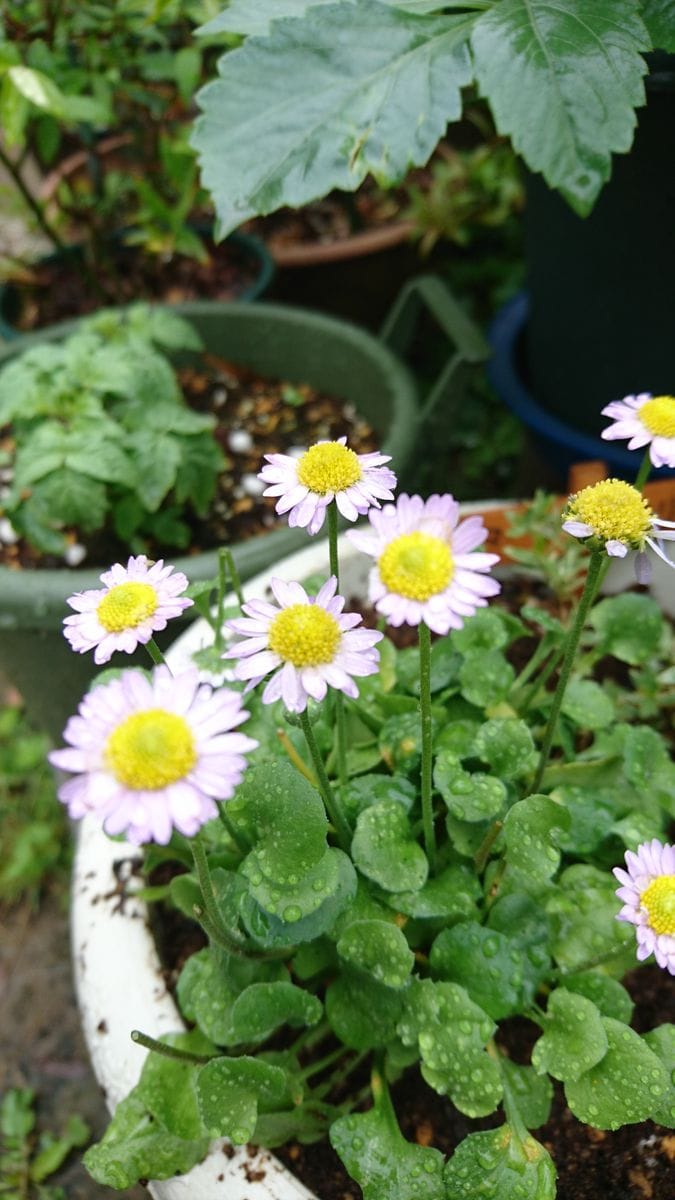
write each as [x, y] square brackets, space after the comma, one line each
[560, 444]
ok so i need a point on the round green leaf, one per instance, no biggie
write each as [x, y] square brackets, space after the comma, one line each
[384, 850]
[387, 1167]
[230, 1090]
[587, 704]
[625, 1087]
[628, 626]
[496, 1165]
[283, 816]
[486, 677]
[380, 949]
[574, 1038]
[361, 1012]
[506, 745]
[469, 796]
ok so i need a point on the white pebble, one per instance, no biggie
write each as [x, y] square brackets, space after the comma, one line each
[8, 533]
[74, 555]
[240, 441]
[252, 485]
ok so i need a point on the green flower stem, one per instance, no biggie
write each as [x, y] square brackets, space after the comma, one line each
[155, 653]
[541, 652]
[513, 1116]
[381, 1096]
[167, 1051]
[587, 597]
[323, 1063]
[644, 472]
[596, 961]
[540, 681]
[235, 836]
[337, 698]
[333, 556]
[206, 888]
[339, 1076]
[299, 763]
[332, 804]
[425, 713]
[483, 852]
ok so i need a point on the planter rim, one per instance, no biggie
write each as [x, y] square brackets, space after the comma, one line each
[504, 374]
[357, 245]
[106, 935]
[22, 599]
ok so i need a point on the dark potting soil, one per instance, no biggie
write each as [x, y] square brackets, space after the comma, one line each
[254, 416]
[65, 287]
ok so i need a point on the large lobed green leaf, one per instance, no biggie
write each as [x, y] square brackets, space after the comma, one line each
[563, 80]
[346, 91]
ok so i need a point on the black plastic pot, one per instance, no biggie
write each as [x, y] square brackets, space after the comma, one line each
[601, 296]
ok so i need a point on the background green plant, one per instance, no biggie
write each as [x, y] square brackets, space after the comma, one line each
[35, 843]
[26, 1159]
[86, 417]
[75, 74]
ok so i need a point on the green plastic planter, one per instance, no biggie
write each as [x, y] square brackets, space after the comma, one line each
[298, 345]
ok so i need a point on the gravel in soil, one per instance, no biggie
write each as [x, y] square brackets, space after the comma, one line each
[254, 416]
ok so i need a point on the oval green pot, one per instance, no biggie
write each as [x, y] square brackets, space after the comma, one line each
[297, 345]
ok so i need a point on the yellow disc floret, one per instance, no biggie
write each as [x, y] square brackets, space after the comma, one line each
[150, 750]
[416, 565]
[329, 467]
[658, 414]
[614, 510]
[126, 606]
[659, 900]
[305, 635]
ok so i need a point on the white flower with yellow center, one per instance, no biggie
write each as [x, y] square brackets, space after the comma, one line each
[327, 471]
[648, 892]
[616, 516]
[647, 421]
[426, 565]
[135, 603]
[309, 644]
[153, 754]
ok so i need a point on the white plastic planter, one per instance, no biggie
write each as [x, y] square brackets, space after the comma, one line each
[118, 975]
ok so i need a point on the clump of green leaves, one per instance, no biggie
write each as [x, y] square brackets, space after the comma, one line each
[26, 1159]
[470, 191]
[320, 960]
[549, 551]
[35, 840]
[101, 437]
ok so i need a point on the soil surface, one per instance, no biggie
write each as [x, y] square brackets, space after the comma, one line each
[64, 287]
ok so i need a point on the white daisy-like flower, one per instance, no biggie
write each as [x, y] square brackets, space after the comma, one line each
[648, 894]
[136, 602]
[153, 754]
[616, 516]
[426, 565]
[309, 644]
[327, 471]
[645, 420]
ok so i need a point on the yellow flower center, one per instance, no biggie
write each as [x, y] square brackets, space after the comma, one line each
[150, 750]
[659, 900]
[416, 565]
[125, 606]
[329, 467]
[614, 509]
[305, 635]
[658, 414]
